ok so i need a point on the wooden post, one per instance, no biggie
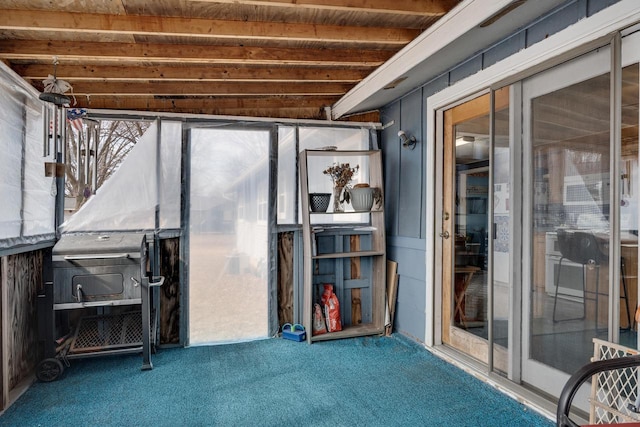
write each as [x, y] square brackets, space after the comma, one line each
[356, 294]
[170, 291]
[285, 278]
[392, 293]
[4, 338]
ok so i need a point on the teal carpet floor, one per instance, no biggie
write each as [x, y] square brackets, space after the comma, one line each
[355, 382]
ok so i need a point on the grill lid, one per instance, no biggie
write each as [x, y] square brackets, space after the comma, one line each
[87, 244]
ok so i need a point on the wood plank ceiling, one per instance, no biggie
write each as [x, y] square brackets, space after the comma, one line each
[262, 58]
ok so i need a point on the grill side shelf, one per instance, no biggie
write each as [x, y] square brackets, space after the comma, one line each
[96, 256]
[108, 303]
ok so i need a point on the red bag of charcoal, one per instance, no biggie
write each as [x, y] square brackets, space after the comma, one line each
[331, 309]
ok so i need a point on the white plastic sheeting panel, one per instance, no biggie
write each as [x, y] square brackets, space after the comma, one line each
[39, 191]
[287, 178]
[170, 185]
[28, 197]
[11, 134]
[315, 138]
[128, 199]
[228, 236]
[310, 138]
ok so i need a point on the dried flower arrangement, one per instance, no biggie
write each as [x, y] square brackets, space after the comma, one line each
[341, 173]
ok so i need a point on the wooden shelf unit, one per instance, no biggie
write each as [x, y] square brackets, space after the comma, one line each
[349, 255]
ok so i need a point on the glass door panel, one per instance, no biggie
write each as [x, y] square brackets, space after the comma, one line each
[502, 214]
[566, 127]
[629, 205]
[465, 219]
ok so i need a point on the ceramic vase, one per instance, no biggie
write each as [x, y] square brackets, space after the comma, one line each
[361, 198]
[338, 203]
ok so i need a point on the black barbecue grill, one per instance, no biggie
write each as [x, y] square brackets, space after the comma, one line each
[104, 278]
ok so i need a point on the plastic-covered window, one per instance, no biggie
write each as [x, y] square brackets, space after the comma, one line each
[28, 197]
[128, 199]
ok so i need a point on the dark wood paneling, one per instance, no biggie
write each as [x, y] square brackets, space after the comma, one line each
[285, 278]
[170, 291]
[356, 293]
[23, 274]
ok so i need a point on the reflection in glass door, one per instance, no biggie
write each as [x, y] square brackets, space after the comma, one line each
[228, 235]
[502, 211]
[567, 123]
[465, 196]
[629, 196]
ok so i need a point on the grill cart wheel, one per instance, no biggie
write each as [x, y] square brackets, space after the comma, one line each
[49, 370]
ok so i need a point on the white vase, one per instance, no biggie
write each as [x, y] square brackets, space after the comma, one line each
[361, 198]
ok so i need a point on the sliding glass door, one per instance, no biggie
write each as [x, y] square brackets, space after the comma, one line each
[566, 128]
[581, 170]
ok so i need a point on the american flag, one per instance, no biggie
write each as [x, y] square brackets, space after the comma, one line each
[74, 117]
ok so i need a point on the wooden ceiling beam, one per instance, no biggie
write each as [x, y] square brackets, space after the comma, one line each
[179, 54]
[311, 113]
[276, 107]
[41, 20]
[202, 88]
[237, 103]
[73, 73]
[395, 7]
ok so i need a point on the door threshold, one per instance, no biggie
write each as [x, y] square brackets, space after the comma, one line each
[543, 404]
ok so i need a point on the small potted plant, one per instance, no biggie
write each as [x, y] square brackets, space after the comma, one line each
[319, 202]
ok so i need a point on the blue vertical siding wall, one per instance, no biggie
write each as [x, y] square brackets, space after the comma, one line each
[405, 170]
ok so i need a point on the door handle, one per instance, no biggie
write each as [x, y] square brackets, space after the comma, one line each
[444, 234]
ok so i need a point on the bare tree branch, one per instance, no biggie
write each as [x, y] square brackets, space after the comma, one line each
[116, 139]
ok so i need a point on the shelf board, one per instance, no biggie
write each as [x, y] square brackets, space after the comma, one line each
[341, 153]
[350, 332]
[109, 303]
[346, 212]
[348, 254]
[361, 229]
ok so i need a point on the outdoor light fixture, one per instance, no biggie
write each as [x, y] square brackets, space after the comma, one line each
[407, 141]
